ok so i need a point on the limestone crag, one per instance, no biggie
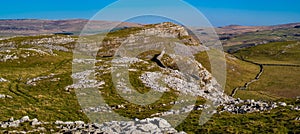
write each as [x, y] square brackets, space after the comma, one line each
[12, 123]
[85, 61]
[208, 90]
[185, 109]
[145, 126]
[13, 49]
[239, 106]
[83, 80]
[33, 81]
[146, 35]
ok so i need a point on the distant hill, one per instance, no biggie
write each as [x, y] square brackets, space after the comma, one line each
[13, 27]
[235, 37]
[10, 27]
[238, 29]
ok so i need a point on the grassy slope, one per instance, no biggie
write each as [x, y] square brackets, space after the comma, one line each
[273, 53]
[238, 72]
[48, 101]
[279, 82]
[280, 120]
[276, 81]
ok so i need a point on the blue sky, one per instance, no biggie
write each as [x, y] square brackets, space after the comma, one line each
[218, 12]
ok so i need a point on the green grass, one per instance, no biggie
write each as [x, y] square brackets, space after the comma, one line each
[273, 53]
[280, 120]
[48, 100]
[113, 98]
[123, 33]
[238, 72]
[260, 36]
[276, 81]
[279, 82]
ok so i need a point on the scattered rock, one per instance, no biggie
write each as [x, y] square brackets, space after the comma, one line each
[24, 119]
[3, 80]
[34, 81]
[84, 81]
[3, 96]
[148, 125]
[247, 106]
[296, 108]
[282, 104]
[35, 122]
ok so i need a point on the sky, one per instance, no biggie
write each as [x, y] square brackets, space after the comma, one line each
[218, 12]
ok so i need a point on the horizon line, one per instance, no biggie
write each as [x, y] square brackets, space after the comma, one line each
[66, 19]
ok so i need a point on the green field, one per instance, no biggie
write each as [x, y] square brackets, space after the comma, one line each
[273, 53]
[282, 34]
[238, 72]
[279, 79]
[47, 100]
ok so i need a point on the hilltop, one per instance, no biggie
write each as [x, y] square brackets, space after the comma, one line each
[39, 87]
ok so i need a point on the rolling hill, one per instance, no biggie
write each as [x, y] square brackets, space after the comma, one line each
[38, 81]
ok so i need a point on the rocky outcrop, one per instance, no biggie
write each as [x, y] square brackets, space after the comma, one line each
[296, 108]
[239, 106]
[16, 48]
[50, 42]
[206, 86]
[83, 81]
[185, 109]
[58, 43]
[12, 123]
[3, 80]
[34, 81]
[3, 96]
[146, 34]
[145, 126]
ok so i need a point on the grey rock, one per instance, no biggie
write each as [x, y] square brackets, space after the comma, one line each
[24, 119]
[79, 122]
[3, 80]
[3, 96]
[163, 124]
[148, 127]
[35, 122]
[296, 108]
[59, 122]
[282, 104]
